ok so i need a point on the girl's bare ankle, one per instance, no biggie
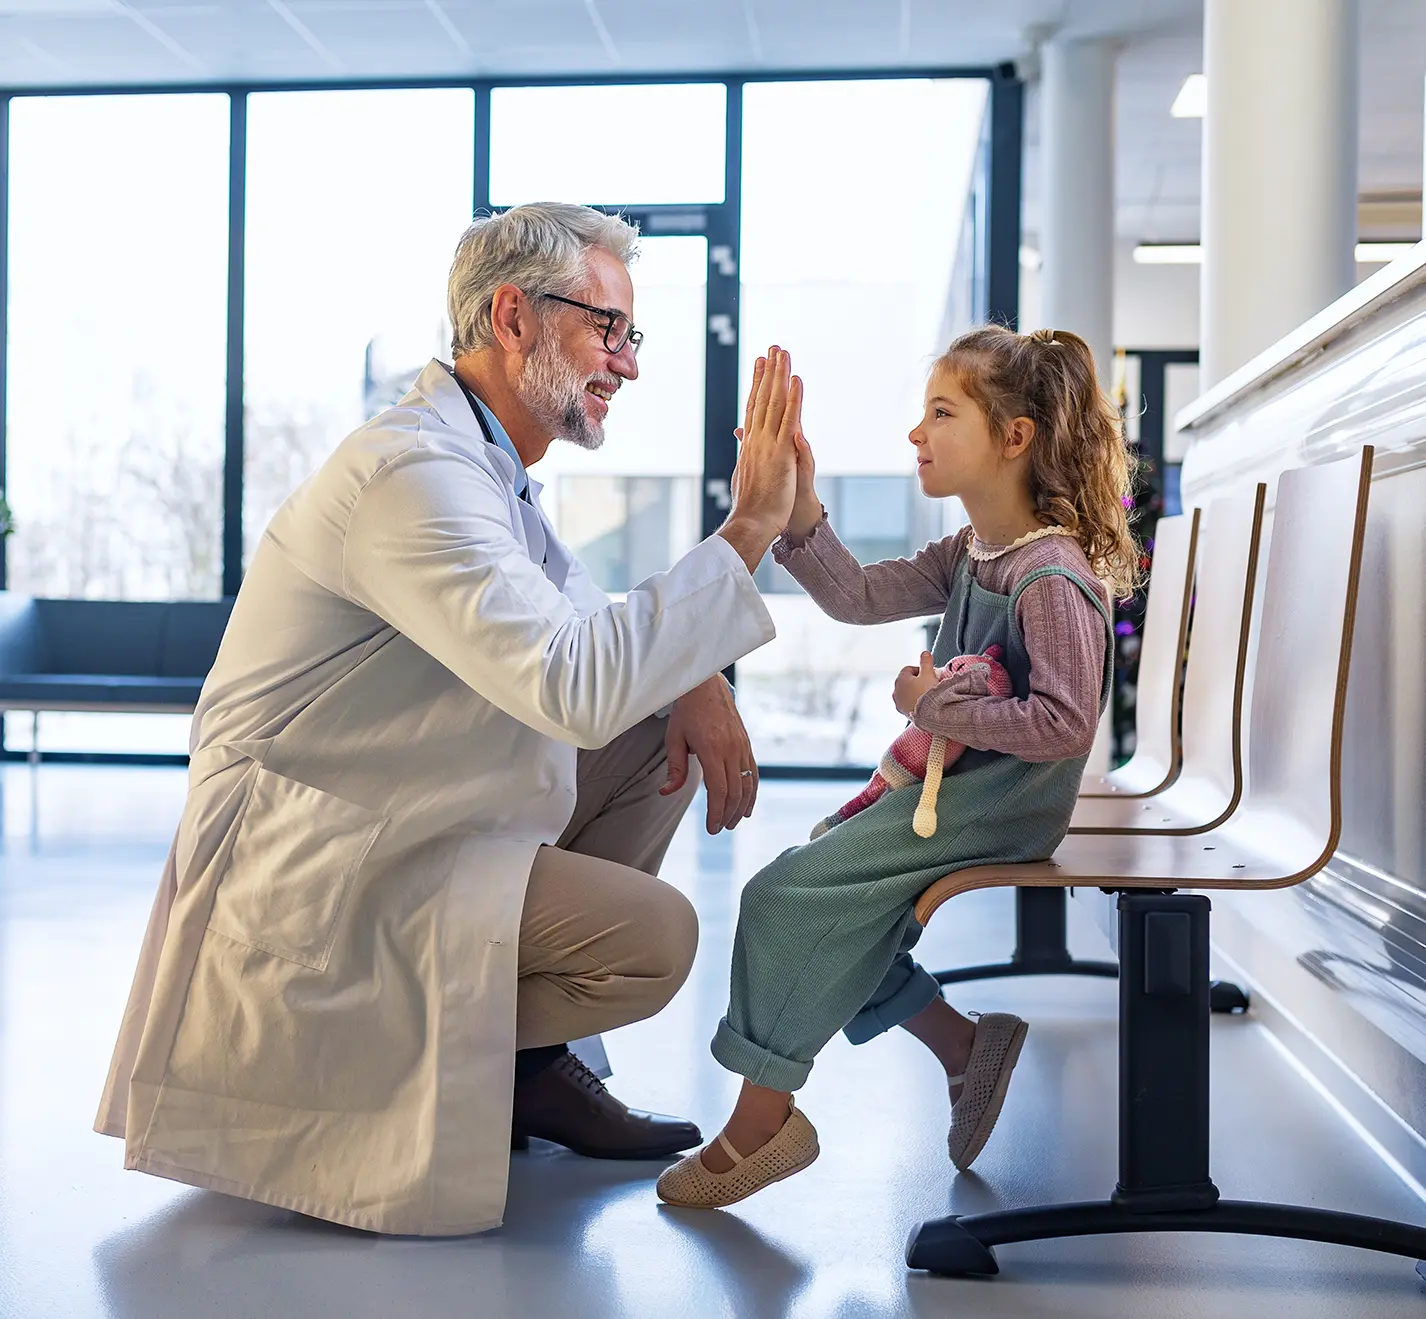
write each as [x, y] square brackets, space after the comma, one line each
[752, 1132]
[757, 1118]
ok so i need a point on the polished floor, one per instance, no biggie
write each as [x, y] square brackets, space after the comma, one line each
[80, 1237]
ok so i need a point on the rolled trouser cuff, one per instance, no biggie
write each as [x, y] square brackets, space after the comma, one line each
[759, 1065]
[915, 994]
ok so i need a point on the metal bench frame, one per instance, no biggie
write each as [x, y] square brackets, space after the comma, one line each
[1286, 830]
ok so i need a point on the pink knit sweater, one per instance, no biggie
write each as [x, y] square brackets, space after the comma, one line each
[1064, 634]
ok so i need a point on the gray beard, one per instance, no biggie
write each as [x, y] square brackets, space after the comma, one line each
[553, 391]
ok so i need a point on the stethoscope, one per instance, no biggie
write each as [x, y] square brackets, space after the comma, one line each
[490, 439]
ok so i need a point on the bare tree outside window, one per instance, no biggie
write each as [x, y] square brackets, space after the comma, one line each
[345, 274]
[114, 434]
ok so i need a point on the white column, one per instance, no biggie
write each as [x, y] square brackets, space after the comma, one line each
[1077, 218]
[1279, 171]
[1077, 201]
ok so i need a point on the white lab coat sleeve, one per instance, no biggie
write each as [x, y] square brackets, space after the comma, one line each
[582, 590]
[587, 597]
[430, 548]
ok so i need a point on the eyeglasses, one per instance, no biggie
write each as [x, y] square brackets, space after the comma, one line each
[618, 329]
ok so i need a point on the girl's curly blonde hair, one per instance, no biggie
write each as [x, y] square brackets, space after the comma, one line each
[1081, 472]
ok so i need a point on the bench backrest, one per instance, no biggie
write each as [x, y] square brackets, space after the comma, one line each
[1156, 715]
[100, 636]
[132, 638]
[1304, 645]
[192, 632]
[1214, 679]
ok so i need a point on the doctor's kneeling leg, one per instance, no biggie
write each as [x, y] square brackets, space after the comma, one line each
[603, 942]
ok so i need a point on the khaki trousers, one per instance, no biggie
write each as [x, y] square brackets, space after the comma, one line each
[603, 942]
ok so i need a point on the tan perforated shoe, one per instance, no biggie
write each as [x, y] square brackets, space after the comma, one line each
[690, 1185]
[999, 1037]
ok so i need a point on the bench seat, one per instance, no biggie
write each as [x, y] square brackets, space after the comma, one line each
[80, 691]
[136, 655]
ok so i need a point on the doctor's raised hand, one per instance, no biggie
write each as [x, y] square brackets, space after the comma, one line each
[705, 723]
[765, 478]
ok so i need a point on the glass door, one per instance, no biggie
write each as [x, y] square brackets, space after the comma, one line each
[634, 506]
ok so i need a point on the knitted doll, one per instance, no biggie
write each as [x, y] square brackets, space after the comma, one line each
[918, 755]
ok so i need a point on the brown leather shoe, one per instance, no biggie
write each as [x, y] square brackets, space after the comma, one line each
[566, 1103]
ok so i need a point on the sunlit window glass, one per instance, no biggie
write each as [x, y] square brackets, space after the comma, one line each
[647, 145]
[853, 258]
[117, 344]
[355, 202]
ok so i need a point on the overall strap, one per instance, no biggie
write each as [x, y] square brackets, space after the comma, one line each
[951, 633]
[1054, 570]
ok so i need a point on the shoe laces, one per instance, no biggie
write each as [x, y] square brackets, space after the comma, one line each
[578, 1071]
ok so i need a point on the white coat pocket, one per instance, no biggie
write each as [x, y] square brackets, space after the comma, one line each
[297, 852]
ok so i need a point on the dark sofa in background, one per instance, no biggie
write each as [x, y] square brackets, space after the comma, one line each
[140, 656]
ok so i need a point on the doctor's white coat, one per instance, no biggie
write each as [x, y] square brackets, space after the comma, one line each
[323, 1014]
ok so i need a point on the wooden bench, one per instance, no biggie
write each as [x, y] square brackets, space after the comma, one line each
[1286, 830]
[1157, 750]
[1209, 784]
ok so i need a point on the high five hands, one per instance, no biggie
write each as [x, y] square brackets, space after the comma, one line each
[806, 506]
[765, 480]
[705, 722]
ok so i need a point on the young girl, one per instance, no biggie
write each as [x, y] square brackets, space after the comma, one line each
[1018, 428]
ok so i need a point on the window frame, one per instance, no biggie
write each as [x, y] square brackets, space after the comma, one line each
[996, 278]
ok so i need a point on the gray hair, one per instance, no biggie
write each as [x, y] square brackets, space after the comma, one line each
[539, 247]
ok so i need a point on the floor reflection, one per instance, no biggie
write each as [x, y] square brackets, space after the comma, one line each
[81, 1238]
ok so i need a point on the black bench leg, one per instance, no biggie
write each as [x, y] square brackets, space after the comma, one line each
[1040, 944]
[1041, 948]
[1164, 1183]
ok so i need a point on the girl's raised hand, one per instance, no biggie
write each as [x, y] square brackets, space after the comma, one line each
[806, 507]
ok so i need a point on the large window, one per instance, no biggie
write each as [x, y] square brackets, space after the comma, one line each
[847, 221]
[117, 332]
[854, 272]
[355, 200]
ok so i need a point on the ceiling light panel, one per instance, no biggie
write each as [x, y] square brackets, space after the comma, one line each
[1192, 99]
[1376, 253]
[1168, 254]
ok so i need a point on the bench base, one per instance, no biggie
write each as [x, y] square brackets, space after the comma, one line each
[1029, 966]
[1164, 1182]
[1041, 950]
[964, 1246]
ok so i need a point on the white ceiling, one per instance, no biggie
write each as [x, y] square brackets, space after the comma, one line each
[93, 42]
[1159, 156]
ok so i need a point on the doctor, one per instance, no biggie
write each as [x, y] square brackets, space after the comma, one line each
[434, 771]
